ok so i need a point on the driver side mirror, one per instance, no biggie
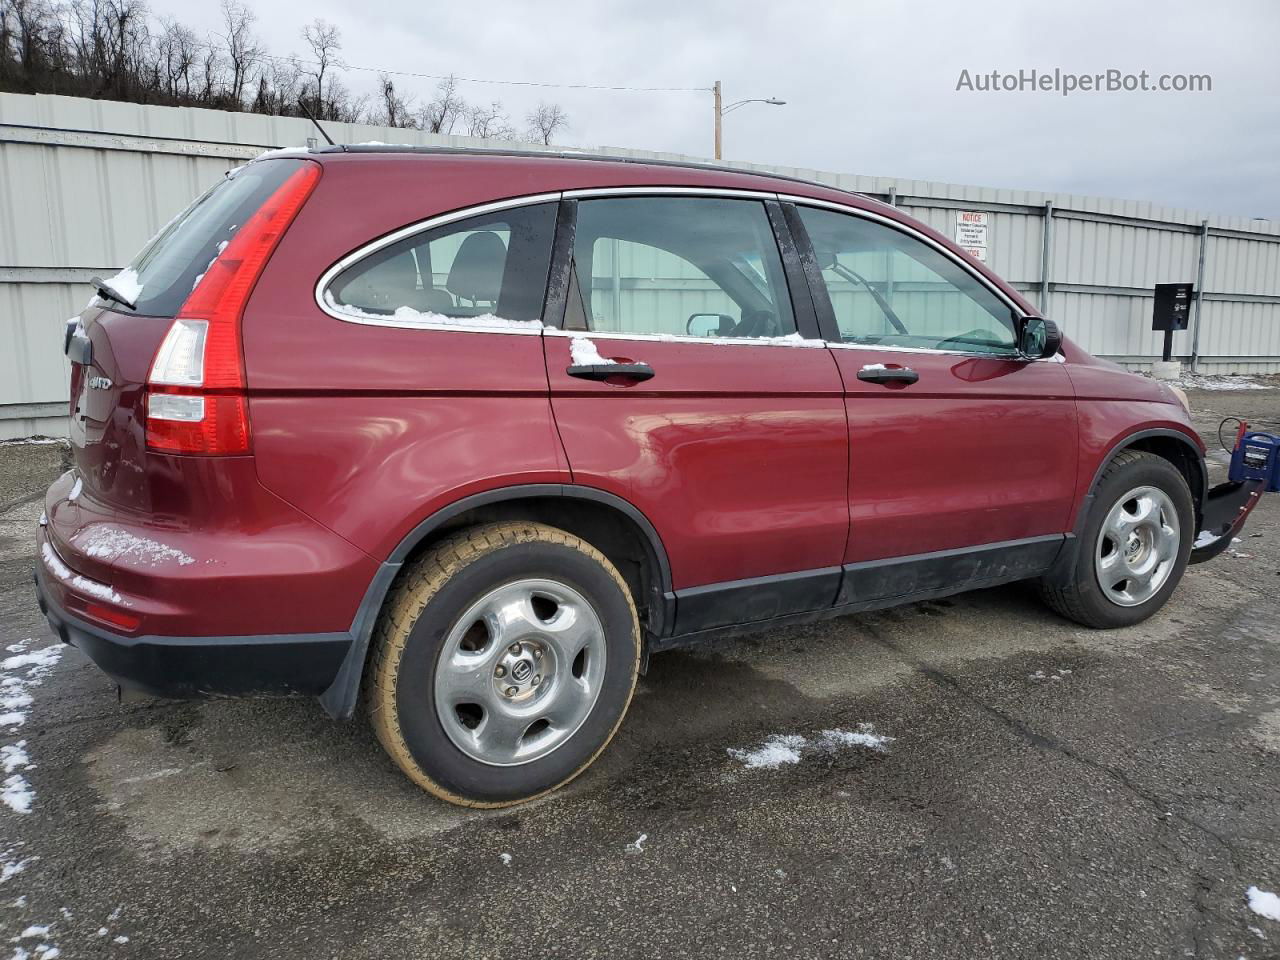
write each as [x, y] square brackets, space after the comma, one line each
[710, 325]
[1038, 338]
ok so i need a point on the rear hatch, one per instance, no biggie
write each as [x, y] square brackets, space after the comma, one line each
[200, 268]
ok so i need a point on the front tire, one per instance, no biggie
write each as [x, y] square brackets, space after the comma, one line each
[1134, 546]
[503, 664]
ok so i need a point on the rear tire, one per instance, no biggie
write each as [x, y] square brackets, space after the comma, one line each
[1134, 545]
[503, 664]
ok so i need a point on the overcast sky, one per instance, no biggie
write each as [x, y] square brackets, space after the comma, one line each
[870, 87]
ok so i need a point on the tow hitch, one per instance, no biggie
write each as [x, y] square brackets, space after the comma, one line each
[1254, 470]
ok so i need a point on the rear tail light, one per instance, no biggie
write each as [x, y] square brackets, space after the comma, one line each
[196, 395]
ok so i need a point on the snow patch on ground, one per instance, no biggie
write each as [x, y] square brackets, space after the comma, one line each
[23, 669]
[11, 865]
[16, 794]
[36, 441]
[75, 581]
[1264, 903]
[19, 672]
[13, 756]
[777, 750]
[15, 686]
[583, 353]
[781, 749]
[1191, 381]
[110, 543]
[864, 736]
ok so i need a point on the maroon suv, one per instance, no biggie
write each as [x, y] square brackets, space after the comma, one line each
[468, 436]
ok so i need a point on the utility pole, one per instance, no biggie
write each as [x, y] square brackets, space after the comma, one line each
[719, 116]
[721, 110]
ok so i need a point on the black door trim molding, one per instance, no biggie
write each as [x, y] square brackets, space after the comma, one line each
[742, 606]
[758, 598]
[953, 570]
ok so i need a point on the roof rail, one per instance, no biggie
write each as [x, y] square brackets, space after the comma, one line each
[357, 148]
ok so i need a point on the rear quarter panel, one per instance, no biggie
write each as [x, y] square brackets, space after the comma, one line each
[370, 429]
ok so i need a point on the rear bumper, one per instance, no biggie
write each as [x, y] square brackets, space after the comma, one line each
[187, 667]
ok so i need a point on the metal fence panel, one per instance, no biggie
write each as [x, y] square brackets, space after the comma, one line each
[84, 183]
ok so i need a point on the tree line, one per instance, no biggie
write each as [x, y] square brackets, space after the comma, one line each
[116, 50]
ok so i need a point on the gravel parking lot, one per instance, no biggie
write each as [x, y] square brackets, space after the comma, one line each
[971, 777]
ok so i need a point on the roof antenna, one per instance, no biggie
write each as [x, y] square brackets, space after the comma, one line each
[310, 116]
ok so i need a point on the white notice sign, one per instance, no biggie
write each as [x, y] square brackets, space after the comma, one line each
[971, 230]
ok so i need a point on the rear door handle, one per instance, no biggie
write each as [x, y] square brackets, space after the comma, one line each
[606, 371]
[888, 375]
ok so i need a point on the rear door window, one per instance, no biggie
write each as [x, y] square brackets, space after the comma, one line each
[163, 275]
[492, 265]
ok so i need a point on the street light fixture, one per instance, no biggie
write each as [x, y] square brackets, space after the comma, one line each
[721, 110]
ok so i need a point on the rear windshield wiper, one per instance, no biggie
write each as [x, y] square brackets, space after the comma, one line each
[109, 292]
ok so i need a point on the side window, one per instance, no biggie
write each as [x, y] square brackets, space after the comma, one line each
[686, 266]
[889, 288]
[491, 265]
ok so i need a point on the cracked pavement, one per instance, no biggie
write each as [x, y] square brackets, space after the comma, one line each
[1049, 791]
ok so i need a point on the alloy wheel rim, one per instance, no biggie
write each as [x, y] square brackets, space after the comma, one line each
[520, 672]
[1137, 546]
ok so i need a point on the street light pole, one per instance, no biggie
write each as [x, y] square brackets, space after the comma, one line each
[719, 116]
[721, 110]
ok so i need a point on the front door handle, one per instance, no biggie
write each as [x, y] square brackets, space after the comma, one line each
[882, 374]
[606, 371]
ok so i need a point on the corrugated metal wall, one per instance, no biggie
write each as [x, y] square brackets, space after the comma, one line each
[84, 184]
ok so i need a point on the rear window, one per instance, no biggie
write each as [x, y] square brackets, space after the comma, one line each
[169, 267]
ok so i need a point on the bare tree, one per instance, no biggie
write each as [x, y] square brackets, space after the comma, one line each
[243, 49]
[211, 73]
[176, 54]
[393, 109]
[279, 87]
[490, 122]
[115, 50]
[442, 113]
[545, 121]
[32, 30]
[325, 42]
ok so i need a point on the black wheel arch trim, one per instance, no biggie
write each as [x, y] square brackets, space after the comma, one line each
[339, 700]
[1128, 441]
[1066, 560]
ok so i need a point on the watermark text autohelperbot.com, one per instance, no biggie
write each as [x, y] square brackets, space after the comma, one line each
[1065, 83]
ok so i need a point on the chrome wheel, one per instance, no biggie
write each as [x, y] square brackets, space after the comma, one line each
[1137, 546]
[520, 671]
